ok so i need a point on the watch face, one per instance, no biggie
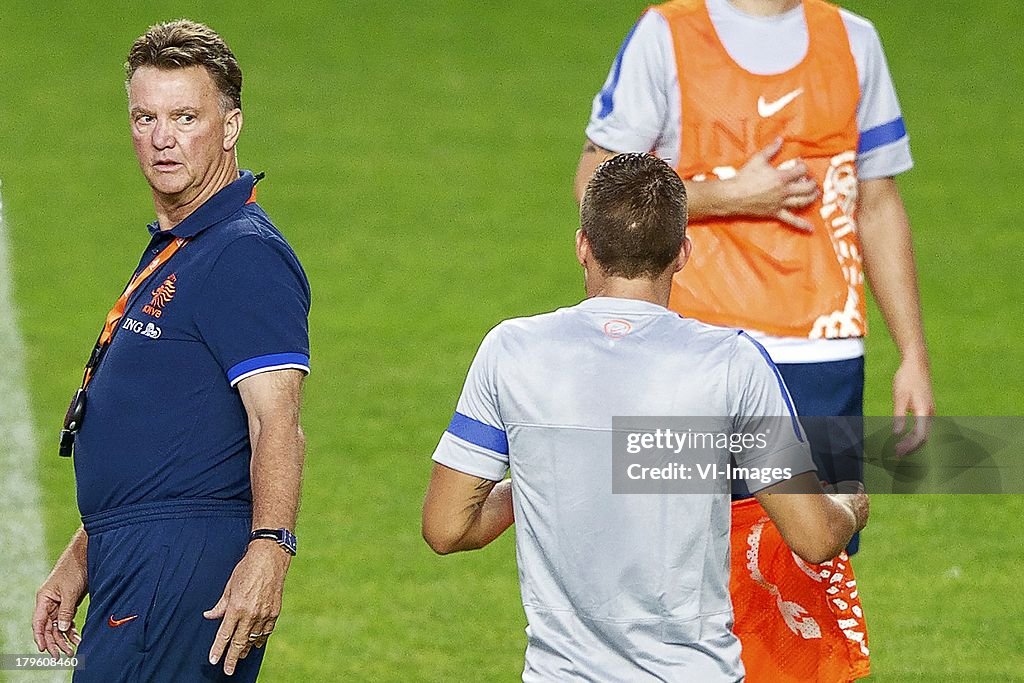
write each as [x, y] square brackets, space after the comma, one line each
[288, 540]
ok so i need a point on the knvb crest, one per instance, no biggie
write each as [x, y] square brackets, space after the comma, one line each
[162, 296]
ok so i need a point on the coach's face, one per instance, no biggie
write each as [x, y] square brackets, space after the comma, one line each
[183, 138]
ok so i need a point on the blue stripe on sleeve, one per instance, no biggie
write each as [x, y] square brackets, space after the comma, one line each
[268, 361]
[478, 433]
[608, 92]
[881, 135]
[782, 386]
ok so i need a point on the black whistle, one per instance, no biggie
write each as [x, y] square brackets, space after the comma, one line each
[72, 423]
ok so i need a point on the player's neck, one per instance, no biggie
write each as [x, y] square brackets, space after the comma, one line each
[653, 291]
[764, 8]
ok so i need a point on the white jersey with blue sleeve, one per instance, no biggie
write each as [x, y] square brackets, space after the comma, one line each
[617, 586]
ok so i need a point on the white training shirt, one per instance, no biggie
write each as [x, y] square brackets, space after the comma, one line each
[638, 110]
[617, 587]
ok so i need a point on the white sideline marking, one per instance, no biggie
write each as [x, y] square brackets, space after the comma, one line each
[22, 552]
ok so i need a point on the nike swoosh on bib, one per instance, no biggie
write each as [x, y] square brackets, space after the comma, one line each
[766, 109]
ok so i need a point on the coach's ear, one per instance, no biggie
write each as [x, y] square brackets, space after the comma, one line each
[232, 129]
[684, 254]
[582, 248]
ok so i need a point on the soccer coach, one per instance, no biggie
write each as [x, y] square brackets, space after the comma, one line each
[622, 587]
[187, 447]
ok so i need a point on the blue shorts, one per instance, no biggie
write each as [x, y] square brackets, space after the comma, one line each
[834, 389]
[830, 389]
[154, 568]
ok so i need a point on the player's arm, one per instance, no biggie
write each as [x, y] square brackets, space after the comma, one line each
[889, 265]
[251, 601]
[57, 600]
[272, 401]
[817, 526]
[463, 512]
[882, 153]
[590, 158]
[468, 503]
[758, 190]
[631, 111]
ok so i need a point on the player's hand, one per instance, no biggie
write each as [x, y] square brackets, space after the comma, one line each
[763, 190]
[57, 601]
[912, 393]
[845, 487]
[250, 604]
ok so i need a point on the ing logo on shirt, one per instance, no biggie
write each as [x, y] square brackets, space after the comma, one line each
[162, 296]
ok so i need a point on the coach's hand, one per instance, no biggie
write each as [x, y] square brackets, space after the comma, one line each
[763, 190]
[912, 393]
[57, 601]
[250, 604]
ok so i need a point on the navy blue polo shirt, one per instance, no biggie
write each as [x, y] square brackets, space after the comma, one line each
[164, 419]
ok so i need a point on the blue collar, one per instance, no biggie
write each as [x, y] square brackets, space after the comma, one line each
[215, 209]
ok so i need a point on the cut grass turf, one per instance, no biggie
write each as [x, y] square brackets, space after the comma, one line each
[419, 158]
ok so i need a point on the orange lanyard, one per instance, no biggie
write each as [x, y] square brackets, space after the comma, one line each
[117, 312]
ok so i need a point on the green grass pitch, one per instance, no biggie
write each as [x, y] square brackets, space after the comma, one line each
[419, 157]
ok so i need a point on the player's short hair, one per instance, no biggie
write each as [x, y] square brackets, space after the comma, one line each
[634, 215]
[183, 43]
